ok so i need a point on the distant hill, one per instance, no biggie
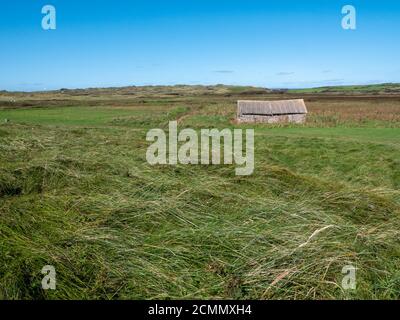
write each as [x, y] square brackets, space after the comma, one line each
[175, 90]
[129, 92]
[125, 95]
[384, 88]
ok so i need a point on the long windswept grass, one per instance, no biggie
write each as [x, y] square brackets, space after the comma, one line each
[82, 197]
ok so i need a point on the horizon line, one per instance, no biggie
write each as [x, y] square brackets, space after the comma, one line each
[202, 85]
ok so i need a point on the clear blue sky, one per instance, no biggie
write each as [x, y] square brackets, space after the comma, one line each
[280, 43]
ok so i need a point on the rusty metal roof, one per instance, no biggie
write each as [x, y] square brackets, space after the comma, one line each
[296, 106]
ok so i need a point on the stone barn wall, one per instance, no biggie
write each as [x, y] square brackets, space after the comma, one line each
[295, 118]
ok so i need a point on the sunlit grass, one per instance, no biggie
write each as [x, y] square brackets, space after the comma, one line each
[76, 192]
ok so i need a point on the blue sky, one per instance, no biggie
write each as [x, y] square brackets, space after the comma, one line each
[265, 43]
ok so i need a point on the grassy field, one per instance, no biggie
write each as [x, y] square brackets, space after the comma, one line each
[76, 192]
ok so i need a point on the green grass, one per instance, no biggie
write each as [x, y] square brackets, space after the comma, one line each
[378, 135]
[90, 116]
[76, 116]
[76, 192]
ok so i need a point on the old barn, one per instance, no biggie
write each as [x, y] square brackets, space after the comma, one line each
[272, 111]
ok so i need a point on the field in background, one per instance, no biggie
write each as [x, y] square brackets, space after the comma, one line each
[76, 192]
